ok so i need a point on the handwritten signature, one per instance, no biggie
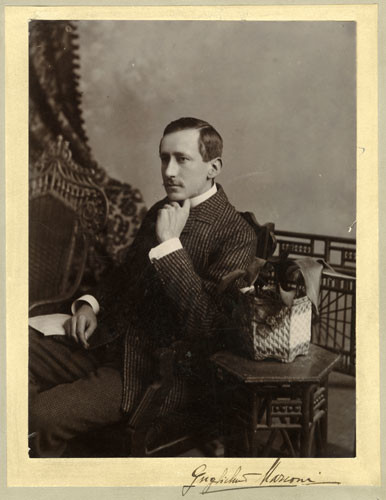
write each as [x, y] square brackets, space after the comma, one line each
[239, 480]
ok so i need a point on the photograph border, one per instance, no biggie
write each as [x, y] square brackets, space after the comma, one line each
[22, 471]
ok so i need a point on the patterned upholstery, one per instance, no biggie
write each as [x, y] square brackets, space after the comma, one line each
[126, 211]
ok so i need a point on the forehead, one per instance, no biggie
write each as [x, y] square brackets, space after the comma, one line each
[181, 141]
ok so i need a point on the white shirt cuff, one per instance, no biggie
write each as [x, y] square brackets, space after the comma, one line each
[92, 301]
[165, 248]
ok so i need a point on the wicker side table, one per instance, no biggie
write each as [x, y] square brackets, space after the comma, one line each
[263, 400]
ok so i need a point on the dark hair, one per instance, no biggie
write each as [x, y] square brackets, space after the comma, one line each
[209, 140]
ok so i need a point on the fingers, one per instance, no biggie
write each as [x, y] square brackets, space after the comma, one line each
[79, 328]
[171, 220]
[174, 204]
[83, 339]
[67, 327]
[90, 329]
[81, 324]
[73, 335]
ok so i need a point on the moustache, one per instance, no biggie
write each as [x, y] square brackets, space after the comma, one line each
[171, 184]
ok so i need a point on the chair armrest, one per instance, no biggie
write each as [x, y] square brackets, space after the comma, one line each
[62, 304]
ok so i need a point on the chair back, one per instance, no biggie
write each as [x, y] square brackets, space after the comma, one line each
[66, 210]
[266, 240]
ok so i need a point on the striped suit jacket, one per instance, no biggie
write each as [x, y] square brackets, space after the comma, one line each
[151, 304]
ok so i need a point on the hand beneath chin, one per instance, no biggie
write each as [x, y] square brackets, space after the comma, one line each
[171, 220]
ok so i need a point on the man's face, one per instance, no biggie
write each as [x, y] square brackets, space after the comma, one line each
[184, 172]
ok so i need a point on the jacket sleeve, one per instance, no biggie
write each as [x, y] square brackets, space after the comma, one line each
[194, 297]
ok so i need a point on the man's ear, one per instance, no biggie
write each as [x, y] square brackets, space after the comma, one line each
[214, 169]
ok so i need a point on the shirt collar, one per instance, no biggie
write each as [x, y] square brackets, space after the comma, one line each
[203, 197]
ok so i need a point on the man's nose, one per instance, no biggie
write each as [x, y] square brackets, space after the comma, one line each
[171, 169]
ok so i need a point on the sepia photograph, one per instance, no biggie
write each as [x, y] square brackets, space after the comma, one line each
[192, 251]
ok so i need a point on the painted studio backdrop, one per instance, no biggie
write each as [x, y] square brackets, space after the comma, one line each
[282, 94]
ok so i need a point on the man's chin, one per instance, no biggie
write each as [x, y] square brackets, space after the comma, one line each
[176, 196]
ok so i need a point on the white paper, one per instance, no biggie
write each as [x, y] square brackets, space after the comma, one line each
[49, 324]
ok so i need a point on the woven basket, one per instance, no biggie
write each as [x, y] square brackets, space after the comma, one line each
[282, 336]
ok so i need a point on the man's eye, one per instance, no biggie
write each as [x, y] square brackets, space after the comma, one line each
[182, 159]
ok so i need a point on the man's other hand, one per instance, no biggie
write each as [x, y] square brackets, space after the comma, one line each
[171, 220]
[82, 325]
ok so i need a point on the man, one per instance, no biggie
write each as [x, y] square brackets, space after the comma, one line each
[165, 291]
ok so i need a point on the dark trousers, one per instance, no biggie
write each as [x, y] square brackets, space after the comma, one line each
[71, 391]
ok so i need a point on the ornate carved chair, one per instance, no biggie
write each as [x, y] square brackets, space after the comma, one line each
[66, 211]
[81, 222]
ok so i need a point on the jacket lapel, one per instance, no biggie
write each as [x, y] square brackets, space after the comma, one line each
[207, 211]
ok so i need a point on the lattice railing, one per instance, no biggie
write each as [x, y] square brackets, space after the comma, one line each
[334, 327]
[337, 251]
